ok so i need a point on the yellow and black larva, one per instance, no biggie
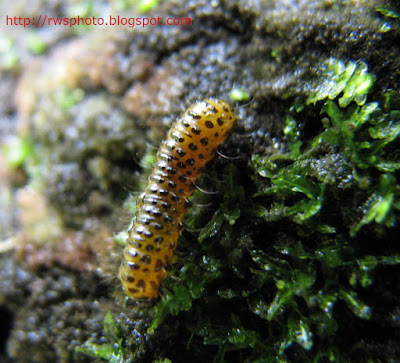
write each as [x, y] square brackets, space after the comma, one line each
[191, 142]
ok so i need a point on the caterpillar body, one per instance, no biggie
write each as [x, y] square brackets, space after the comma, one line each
[191, 142]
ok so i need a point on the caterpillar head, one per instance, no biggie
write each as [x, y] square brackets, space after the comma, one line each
[214, 117]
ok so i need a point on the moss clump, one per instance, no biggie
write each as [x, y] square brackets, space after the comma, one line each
[359, 138]
[341, 180]
[352, 80]
[112, 352]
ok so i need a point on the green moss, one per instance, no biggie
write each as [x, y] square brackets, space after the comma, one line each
[35, 44]
[144, 6]
[112, 352]
[356, 152]
[286, 182]
[379, 206]
[365, 136]
[83, 9]
[9, 58]
[276, 51]
[389, 11]
[237, 94]
[66, 98]
[16, 150]
[352, 80]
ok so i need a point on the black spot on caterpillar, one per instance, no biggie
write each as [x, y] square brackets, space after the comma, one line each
[191, 143]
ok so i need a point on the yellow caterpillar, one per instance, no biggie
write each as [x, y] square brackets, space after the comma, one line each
[191, 143]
